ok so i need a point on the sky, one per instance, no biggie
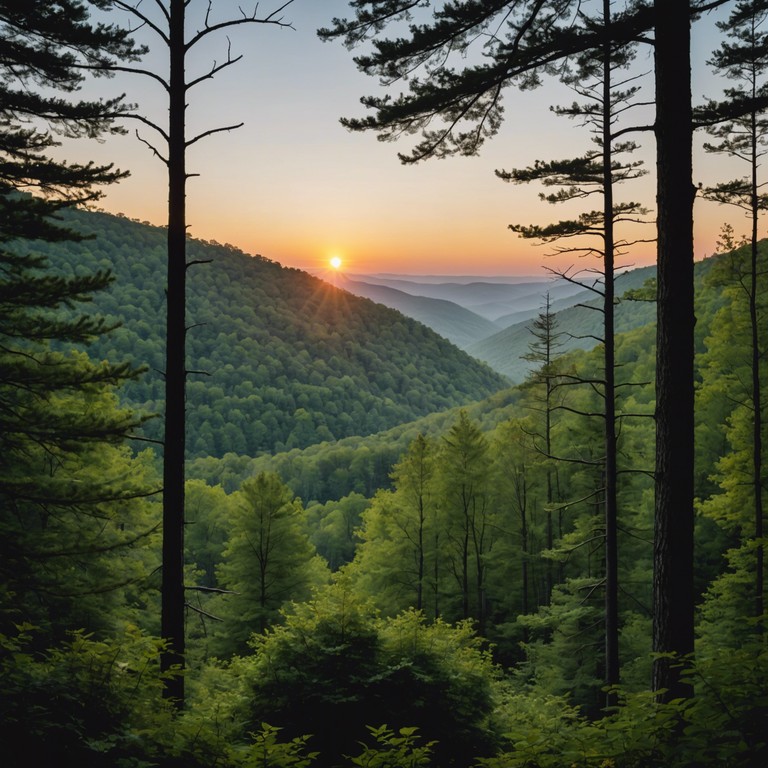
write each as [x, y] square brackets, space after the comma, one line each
[295, 186]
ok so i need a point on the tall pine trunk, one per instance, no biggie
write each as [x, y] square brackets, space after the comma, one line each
[757, 423]
[673, 593]
[609, 364]
[172, 601]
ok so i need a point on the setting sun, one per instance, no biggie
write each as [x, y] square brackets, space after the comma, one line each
[335, 262]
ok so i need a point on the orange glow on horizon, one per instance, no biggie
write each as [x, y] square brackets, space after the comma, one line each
[470, 246]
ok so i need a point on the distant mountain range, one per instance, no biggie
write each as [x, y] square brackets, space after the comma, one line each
[490, 317]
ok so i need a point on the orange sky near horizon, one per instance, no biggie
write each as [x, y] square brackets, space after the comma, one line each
[296, 187]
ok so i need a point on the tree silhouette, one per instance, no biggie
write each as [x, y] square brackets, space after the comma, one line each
[168, 25]
[606, 95]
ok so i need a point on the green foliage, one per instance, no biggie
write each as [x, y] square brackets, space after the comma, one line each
[268, 561]
[208, 517]
[86, 701]
[334, 528]
[74, 503]
[723, 725]
[266, 751]
[394, 750]
[459, 515]
[397, 558]
[333, 662]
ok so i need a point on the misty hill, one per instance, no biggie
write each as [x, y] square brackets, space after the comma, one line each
[454, 322]
[491, 298]
[282, 359]
[503, 341]
[578, 323]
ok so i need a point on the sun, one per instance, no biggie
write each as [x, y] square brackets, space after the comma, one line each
[335, 262]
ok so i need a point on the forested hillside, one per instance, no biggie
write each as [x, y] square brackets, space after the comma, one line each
[281, 359]
[330, 470]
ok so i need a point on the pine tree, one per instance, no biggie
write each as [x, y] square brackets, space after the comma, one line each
[543, 349]
[67, 488]
[468, 515]
[595, 77]
[45, 48]
[744, 59]
[168, 25]
[268, 560]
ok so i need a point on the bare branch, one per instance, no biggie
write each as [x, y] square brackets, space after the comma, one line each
[215, 68]
[272, 18]
[148, 122]
[202, 612]
[217, 590]
[152, 147]
[145, 20]
[210, 132]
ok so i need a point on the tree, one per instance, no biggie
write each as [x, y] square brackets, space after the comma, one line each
[594, 76]
[397, 560]
[68, 491]
[413, 476]
[673, 535]
[745, 60]
[543, 351]
[518, 471]
[268, 560]
[170, 28]
[464, 482]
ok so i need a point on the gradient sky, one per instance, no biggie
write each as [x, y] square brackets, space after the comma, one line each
[296, 187]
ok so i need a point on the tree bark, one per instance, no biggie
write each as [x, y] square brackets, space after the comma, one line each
[673, 593]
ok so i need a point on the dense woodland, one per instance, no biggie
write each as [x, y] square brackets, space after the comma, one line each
[391, 557]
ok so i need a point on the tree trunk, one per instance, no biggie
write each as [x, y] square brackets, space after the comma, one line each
[420, 554]
[609, 364]
[673, 541]
[172, 601]
[757, 424]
